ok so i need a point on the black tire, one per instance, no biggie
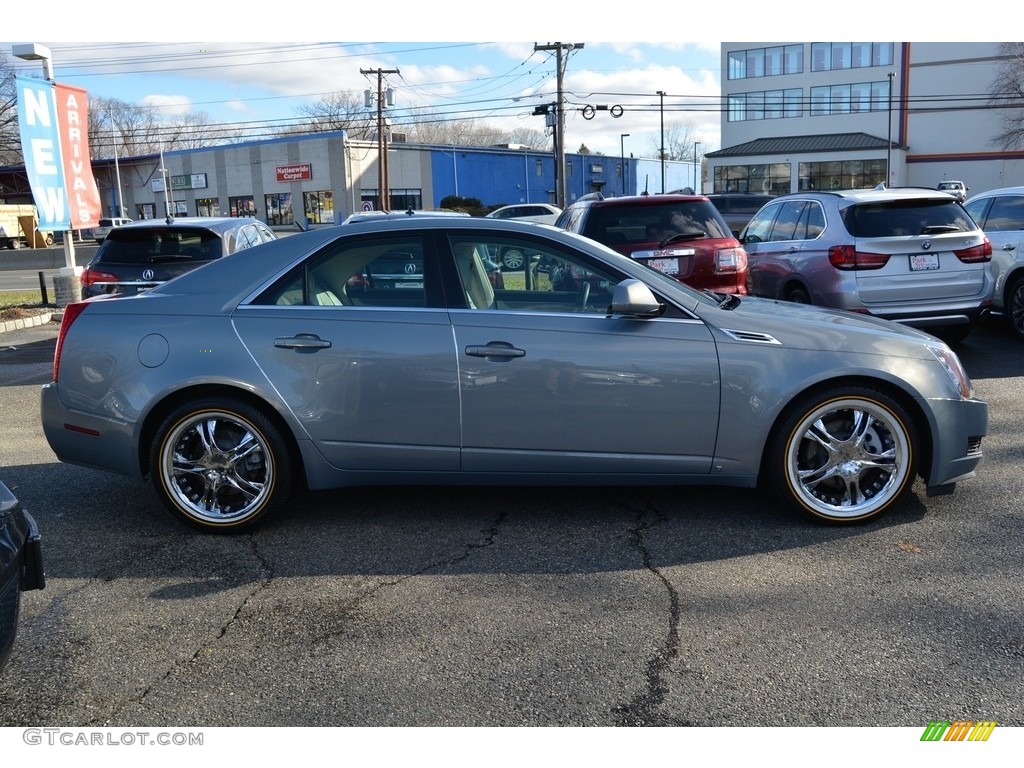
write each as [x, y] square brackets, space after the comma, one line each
[843, 456]
[1015, 307]
[221, 465]
[797, 295]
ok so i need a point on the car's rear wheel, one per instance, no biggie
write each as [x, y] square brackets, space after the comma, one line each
[513, 258]
[797, 295]
[844, 456]
[1015, 307]
[221, 465]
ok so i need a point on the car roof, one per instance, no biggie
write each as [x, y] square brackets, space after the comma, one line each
[875, 195]
[612, 202]
[358, 218]
[1000, 191]
[214, 223]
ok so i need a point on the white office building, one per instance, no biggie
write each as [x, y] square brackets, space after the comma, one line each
[834, 115]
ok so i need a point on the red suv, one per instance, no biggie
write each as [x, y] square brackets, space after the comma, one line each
[681, 235]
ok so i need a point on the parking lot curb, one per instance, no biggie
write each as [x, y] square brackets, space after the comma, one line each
[27, 322]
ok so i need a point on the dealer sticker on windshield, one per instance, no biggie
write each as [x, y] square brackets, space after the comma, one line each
[923, 261]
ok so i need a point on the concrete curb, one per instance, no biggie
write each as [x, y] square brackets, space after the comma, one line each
[28, 322]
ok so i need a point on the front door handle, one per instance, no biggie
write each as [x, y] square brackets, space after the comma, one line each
[301, 341]
[496, 349]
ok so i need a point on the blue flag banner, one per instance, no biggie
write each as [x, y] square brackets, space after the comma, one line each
[40, 142]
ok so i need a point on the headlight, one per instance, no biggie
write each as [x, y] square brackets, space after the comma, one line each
[949, 360]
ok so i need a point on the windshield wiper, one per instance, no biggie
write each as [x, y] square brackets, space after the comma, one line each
[682, 236]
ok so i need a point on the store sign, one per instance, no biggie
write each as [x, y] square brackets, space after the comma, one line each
[53, 121]
[179, 183]
[300, 172]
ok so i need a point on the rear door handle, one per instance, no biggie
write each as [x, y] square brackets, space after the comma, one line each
[301, 341]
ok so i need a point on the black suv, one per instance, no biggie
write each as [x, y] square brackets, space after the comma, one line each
[136, 257]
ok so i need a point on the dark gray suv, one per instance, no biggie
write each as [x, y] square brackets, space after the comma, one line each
[907, 254]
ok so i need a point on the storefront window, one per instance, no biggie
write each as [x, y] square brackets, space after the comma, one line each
[145, 211]
[178, 208]
[242, 206]
[208, 206]
[279, 209]
[319, 207]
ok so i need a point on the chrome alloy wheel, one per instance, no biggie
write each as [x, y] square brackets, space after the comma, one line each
[848, 458]
[216, 468]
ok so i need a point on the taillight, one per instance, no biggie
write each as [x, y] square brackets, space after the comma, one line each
[90, 276]
[974, 254]
[848, 257]
[730, 260]
[71, 312]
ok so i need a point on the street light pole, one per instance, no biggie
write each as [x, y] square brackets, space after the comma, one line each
[888, 146]
[696, 166]
[662, 153]
[622, 161]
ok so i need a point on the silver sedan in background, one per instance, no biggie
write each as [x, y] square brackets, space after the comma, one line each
[293, 366]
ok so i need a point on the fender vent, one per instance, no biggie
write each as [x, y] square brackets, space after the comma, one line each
[752, 336]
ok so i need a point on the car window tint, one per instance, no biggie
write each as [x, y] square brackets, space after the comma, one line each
[761, 225]
[615, 224]
[786, 222]
[814, 221]
[1006, 213]
[551, 280]
[376, 272]
[905, 218]
[158, 245]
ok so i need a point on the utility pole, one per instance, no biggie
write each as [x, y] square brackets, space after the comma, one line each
[560, 194]
[383, 177]
[662, 152]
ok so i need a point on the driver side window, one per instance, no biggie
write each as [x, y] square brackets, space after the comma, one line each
[507, 273]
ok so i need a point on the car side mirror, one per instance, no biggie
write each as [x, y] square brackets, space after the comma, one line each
[634, 298]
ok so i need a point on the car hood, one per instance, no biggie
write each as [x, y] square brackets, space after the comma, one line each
[803, 326]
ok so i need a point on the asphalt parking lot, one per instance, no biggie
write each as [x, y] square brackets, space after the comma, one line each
[518, 607]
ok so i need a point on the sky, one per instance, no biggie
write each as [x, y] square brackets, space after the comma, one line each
[243, 83]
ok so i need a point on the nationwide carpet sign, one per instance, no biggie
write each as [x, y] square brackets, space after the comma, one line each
[54, 124]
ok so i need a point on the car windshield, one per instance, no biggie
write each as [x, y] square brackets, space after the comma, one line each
[897, 218]
[647, 222]
[148, 245]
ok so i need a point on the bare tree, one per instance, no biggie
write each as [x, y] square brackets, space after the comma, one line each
[10, 134]
[1007, 96]
[680, 138]
[339, 111]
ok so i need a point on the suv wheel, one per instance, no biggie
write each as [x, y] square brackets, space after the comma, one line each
[513, 258]
[1015, 307]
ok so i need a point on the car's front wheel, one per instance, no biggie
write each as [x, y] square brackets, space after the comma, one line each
[844, 456]
[221, 465]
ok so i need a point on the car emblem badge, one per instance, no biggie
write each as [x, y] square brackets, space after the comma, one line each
[147, 274]
[410, 269]
[926, 244]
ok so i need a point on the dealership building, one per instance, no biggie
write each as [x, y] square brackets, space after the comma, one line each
[835, 115]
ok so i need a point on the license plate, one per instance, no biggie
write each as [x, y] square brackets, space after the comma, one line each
[408, 285]
[668, 266]
[920, 262]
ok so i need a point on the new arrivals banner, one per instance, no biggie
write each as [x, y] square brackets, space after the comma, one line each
[54, 124]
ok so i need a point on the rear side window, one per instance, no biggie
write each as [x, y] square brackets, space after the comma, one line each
[906, 218]
[152, 246]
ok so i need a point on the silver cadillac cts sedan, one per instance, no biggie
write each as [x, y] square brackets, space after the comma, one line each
[398, 350]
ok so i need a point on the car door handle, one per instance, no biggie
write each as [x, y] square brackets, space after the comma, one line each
[1009, 246]
[498, 349]
[301, 341]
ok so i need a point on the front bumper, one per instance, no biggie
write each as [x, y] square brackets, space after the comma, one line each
[957, 429]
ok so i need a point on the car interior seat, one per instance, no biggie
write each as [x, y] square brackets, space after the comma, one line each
[478, 288]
